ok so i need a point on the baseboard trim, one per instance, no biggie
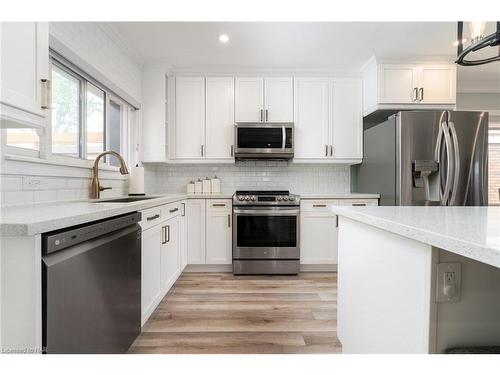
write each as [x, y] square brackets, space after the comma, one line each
[229, 268]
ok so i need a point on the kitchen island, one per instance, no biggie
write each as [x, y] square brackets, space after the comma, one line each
[393, 262]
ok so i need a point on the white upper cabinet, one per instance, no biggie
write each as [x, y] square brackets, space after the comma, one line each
[398, 83]
[278, 98]
[437, 83]
[264, 99]
[311, 117]
[219, 117]
[408, 86]
[347, 118]
[249, 99]
[189, 117]
[154, 110]
[25, 85]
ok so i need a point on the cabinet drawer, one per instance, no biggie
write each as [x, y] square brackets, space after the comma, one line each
[151, 217]
[318, 205]
[219, 204]
[359, 202]
[172, 210]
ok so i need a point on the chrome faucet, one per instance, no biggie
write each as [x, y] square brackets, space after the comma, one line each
[95, 186]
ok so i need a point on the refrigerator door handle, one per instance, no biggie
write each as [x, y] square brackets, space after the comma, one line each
[444, 132]
[456, 162]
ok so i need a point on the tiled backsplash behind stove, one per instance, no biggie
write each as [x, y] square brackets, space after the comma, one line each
[252, 175]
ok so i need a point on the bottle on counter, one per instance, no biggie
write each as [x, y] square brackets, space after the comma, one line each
[207, 186]
[198, 187]
[215, 182]
[190, 187]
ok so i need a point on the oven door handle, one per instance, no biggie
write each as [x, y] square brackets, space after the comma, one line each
[259, 212]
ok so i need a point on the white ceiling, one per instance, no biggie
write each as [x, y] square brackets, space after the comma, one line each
[294, 46]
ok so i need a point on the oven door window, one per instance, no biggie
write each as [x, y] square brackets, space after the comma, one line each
[260, 138]
[266, 231]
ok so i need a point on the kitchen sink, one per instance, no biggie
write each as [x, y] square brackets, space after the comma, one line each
[124, 200]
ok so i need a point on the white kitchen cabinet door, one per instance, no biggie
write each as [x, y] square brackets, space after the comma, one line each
[249, 99]
[154, 115]
[346, 100]
[397, 83]
[183, 236]
[278, 98]
[311, 106]
[318, 237]
[219, 117]
[25, 66]
[219, 232]
[151, 285]
[196, 231]
[170, 254]
[437, 84]
[189, 117]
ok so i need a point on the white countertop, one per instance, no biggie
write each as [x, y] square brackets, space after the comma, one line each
[473, 232]
[31, 219]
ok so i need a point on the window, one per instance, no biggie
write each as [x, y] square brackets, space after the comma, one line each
[86, 119]
[494, 163]
[27, 139]
[66, 109]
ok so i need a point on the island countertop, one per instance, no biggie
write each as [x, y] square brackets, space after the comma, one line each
[473, 232]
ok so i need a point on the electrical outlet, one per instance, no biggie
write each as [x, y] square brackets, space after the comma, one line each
[448, 282]
[32, 183]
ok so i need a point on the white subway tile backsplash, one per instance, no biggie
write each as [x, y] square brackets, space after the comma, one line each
[18, 197]
[298, 178]
[44, 196]
[11, 183]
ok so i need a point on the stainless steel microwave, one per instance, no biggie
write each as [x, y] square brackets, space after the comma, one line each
[263, 140]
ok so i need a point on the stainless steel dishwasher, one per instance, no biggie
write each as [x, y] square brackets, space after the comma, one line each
[91, 296]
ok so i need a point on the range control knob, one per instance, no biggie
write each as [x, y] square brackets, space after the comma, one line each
[253, 198]
[292, 198]
[240, 198]
[285, 198]
[247, 198]
[279, 199]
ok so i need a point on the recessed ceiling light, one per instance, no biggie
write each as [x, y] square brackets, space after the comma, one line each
[223, 38]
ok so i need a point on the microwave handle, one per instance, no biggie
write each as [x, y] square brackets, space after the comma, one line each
[283, 140]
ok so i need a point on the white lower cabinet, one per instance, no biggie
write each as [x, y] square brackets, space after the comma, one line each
[170, 254]
[195, 211]
[151, 293]
[318, 228]
[218, 231]
[183, 236]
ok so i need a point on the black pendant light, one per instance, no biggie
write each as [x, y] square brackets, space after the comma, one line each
[477, 42]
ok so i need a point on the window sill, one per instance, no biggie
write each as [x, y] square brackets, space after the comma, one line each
[66, 163]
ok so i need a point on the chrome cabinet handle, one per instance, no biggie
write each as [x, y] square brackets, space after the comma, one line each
[319, 205]
[267, 114]
[415, 94]
[326, 150]
[218, 205]
[154, 217]
[174, 210]
[202, 150]
[331, 150]
[229, 221]
[163, 236]
[336, 221]
[421, 91]
[183, 209]
[261, 115]
[232, 150]
[456, 161]
[46, 94]
[358, 204]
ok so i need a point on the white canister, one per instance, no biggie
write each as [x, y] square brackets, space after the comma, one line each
[207, 186]
[215, 185]
[198, 187]
[190, 187]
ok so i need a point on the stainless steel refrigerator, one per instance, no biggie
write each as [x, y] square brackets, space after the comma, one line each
[426, 158]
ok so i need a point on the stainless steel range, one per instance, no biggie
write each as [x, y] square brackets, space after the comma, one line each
[266, 232]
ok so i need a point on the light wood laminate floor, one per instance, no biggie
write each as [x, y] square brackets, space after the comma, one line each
[222, 313]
